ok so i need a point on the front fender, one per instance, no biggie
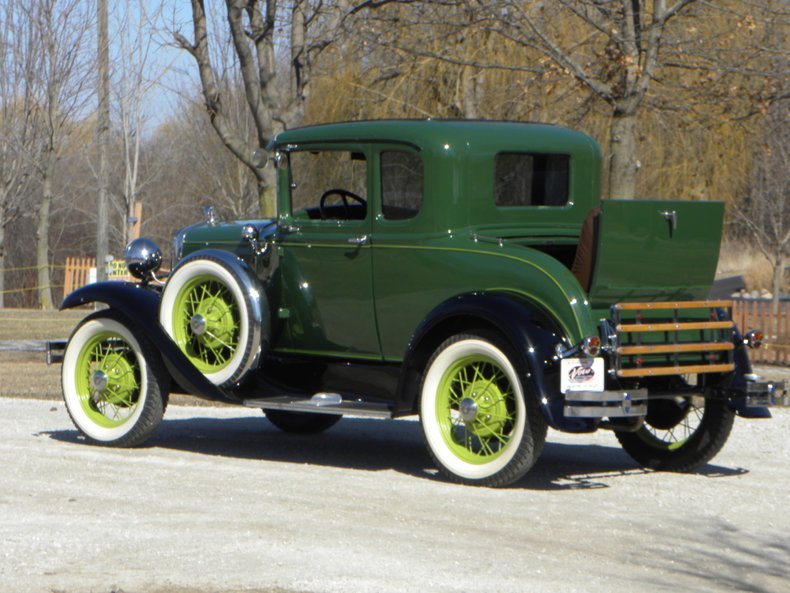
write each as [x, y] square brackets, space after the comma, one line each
[531, 332]
[141, 306]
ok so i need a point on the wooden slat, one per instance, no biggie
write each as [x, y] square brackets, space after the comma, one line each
[674, 305]
[671, 327]
[672, 348]
[76, 273]
[676, 370]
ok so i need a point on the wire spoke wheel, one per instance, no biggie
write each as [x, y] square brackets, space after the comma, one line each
[114, 383]
[108, 379]
[476, 408]
[675, 431]
[212, 308]
[479, 425]
[207, 323]
[680, 433]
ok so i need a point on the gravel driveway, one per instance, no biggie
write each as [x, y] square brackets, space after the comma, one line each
[221, 501]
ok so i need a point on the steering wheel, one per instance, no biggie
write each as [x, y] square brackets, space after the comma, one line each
[345, 195]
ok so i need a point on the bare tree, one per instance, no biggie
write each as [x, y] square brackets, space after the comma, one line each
[273, 104]
[764, 214]
[136, 77]
[616, 54]
[612, 48]
[64, 76]
[18, 112]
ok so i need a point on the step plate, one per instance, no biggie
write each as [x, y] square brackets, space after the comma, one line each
[321, 405]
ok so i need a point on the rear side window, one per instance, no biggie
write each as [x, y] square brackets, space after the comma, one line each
[526, 179]
[401, 184]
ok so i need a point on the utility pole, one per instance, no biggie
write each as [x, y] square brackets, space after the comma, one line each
[103, 141]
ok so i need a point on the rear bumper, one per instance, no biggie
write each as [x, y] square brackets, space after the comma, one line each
[765, 394]
[750, 401]
[621, 403]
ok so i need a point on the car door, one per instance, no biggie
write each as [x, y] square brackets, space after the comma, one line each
[325, 271]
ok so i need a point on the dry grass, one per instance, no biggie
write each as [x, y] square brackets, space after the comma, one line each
[26, 374]
[29, 324]
[737, 259]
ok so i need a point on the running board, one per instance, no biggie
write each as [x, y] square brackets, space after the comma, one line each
[322, 403]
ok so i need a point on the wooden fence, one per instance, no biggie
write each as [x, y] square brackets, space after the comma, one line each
[754, 314]
[77, 272]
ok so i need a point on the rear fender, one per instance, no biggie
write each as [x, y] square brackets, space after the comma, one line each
[531, 332]
[141, 305]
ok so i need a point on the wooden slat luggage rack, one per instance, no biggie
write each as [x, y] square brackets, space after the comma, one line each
[685, 337]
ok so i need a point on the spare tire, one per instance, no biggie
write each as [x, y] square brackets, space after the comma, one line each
[213, 307]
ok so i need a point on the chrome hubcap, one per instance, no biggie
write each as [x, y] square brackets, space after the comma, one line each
[98, 381]
[198, 325]
[468, 409]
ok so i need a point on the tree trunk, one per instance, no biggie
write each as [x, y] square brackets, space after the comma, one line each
[2, 257]
[622, 147]
[42, 242]
[103, 143]
[469, 93]
[776, 285]
[267, 191]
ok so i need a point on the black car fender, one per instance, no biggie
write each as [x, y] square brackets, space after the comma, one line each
[141, 306]
[531, 332]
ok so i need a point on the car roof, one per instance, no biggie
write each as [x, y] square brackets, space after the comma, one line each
[438, 135]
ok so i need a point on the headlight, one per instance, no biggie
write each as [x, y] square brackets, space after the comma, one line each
[143, 258]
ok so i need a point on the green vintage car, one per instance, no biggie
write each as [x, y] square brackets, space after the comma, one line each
[464, 271]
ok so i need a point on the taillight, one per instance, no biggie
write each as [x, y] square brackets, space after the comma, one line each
[591, 346]
[753, 338]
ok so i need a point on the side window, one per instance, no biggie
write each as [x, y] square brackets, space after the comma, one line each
[522, 179]
[401, 184]
[328, 184]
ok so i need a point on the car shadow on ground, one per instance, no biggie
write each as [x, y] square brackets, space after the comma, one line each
[379, 445]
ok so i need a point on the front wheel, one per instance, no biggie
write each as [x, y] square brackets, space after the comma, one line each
[114, 383]
[480, 426]
[679, 434]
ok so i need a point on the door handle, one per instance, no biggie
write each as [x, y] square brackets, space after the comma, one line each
[671, 217]
[359, 241]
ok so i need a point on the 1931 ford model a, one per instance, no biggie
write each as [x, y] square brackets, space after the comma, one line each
[467, 272]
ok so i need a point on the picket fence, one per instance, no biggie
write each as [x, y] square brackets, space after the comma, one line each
[758, 314]
[79, 271]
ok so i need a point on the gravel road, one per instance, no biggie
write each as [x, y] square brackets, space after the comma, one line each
[221, 501]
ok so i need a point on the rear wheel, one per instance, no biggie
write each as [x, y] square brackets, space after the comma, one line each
[114, 383]
[479, 424]
[302, 422]
[679, 434]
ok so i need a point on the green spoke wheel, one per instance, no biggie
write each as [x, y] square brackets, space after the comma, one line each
[209, 309]
[479, 425]
[114, 384]
[680, 433]
[207, 323]
[476, 409]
